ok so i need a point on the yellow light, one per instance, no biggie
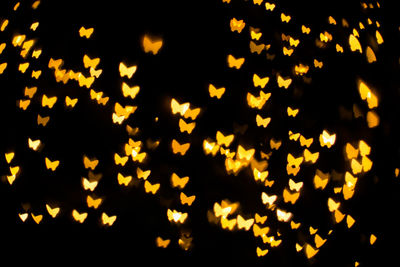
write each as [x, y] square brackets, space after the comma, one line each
[124, 180]
[3, 25]
[215, 92]
[368, 95]
[9, 156]
[319, 241]
[245, 154]
[178, 148]
[301, 69]
[37, 218]
[108, 220]
[269, 6]
[266, 199]
[34, 26]
[305, 29]
[210, 147]
[179, 182]
[179, 108]
[285, 18]
[325, 37]
[350, 180]
[354, 44]
[90, 164]
[283, 216]
[142, 174]
[34, 145]
[127, 71]
[260, 176]
[331, 20]
[52, 211]
[79, 217]
[176, 216]
[244, 224]
[372, 119]
[89, 185]
[258, 231]
[293, 113]
[237, 25]
[83, 32]
[221, 212]
[151, 44]
[51, 164]
[370, 55]
[310, 251]
[18, 40]
[332, 205]
[290, 197]
[327, 139]
[235, 62]
[187, 200]
[349, 221]
[255, 35]
[372, 239]
[262, 121]
[378, 36]
[161, 243]
[282, 82]
[93, 202]
[2, 47]
[151, 188]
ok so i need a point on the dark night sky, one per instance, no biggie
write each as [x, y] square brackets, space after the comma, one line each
[197, 39]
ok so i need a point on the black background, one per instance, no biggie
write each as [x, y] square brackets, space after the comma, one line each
[197, 39]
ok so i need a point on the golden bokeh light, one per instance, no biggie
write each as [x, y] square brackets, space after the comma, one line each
[268, 123]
